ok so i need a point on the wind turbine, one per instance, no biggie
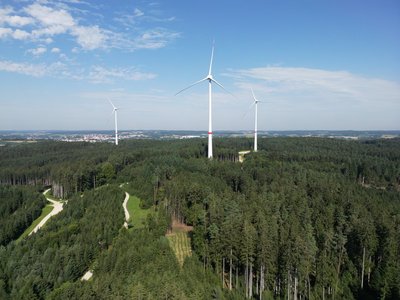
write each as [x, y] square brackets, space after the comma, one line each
[210, 80]
[116, 123]
[255, 120]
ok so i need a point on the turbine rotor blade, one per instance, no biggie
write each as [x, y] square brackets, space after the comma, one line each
[247, 111]
[112, 103]
[197, 82]
[211, 61]
[221, 86]
[254, 97]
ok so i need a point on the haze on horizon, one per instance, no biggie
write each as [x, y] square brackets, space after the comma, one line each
[316, 65]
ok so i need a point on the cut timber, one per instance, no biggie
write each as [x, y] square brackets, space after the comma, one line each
[87, 276]
[242, 154]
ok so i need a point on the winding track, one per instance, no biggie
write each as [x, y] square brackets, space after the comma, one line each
[127, 216]
[57, 207]
[89, 273]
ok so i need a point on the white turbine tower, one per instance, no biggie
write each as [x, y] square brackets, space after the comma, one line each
[116, 122]
[210, 80]
[255, 120]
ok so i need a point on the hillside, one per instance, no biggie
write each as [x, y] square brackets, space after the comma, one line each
[307, 218]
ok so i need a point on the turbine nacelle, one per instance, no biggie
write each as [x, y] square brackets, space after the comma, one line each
[114, 107]
[254, 97]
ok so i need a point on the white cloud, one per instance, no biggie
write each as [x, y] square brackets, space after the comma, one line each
[151, 39]
[323, 84]
[49, 31]
[56, 69]
[4, 32]
[18, 21]
[130, 20]
[20, 34]
[37, 70]
[43, 20]
[59, 21]
[100, 74]
[89, 38]
[49, 16]
[306, 98]
[13, 20]
[155, 39]
[5, 11]
[96, 74]
[38, 51]
[55, 50]
[138, 13]
[17, 34]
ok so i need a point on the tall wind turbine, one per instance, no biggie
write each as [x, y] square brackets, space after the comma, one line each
[116, 122]
[210, 80]
[255, 120]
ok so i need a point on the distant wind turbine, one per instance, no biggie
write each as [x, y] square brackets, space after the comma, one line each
[210, 80]
[116, 122]
[255, 120]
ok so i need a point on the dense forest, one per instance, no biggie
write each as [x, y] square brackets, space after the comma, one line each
[303, 218]
[19, 206]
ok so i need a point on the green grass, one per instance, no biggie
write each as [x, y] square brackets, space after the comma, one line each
[137, 215]
[45, 211]
[52, 197]
[180, 243]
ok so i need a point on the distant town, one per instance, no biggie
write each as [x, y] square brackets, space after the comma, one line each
[93, 136]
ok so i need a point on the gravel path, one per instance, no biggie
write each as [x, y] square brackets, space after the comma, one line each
[127, 216]
[89, 273]
[57, 207]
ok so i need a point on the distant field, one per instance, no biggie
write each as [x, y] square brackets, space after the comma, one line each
[45, 211]
[137, 215]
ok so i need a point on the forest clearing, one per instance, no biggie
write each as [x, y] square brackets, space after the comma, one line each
[178, 237]
[136, 215]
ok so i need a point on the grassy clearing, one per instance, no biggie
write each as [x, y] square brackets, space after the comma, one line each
[137, 215]
[180, 243]
[50, 196]
[45, 211]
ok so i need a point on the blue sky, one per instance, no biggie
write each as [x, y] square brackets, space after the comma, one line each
[314, 64]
